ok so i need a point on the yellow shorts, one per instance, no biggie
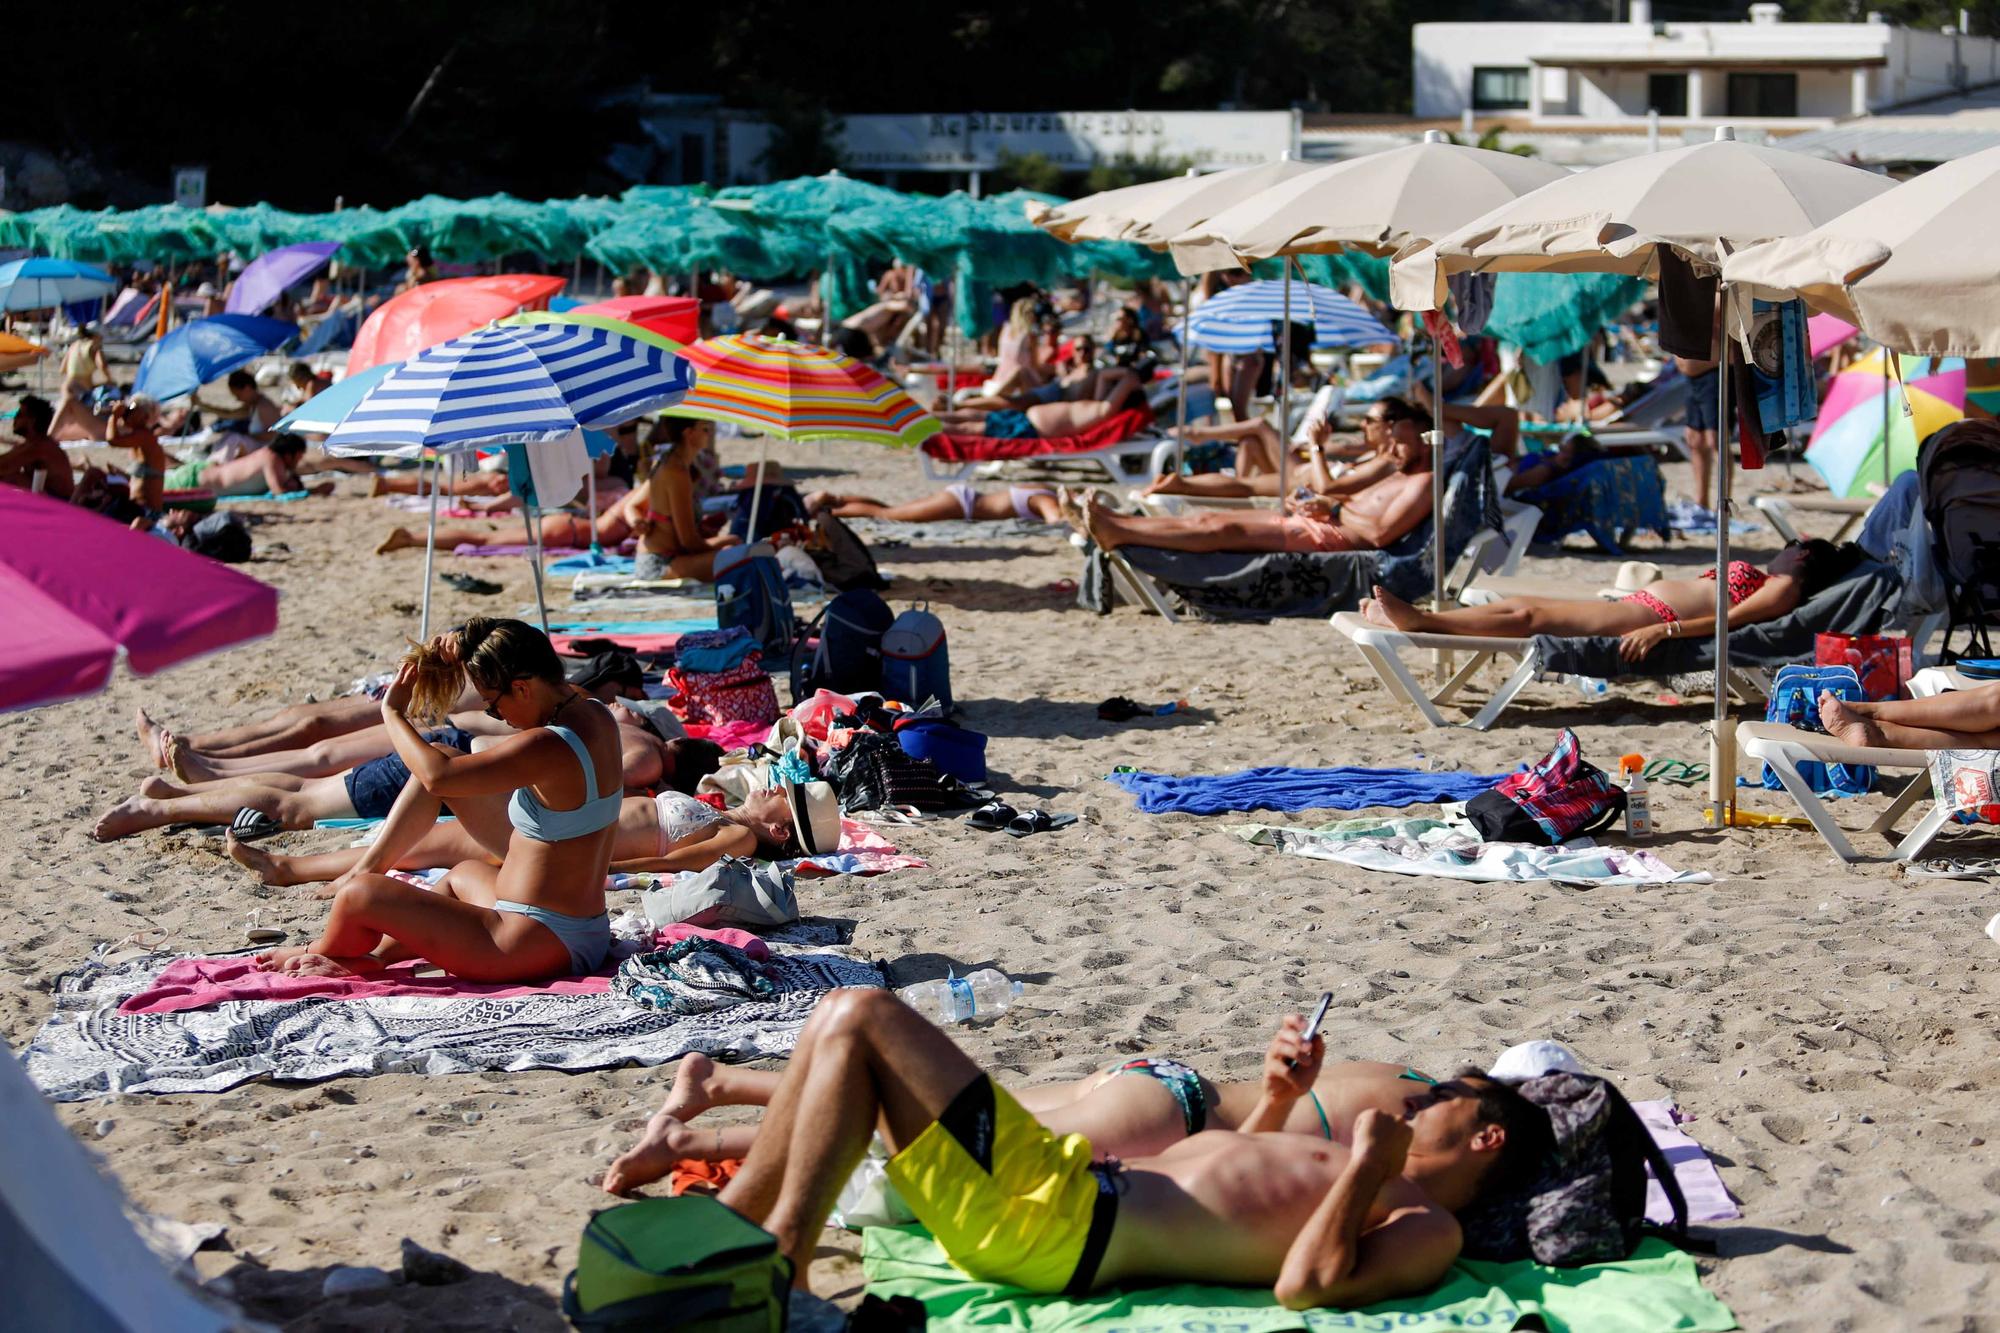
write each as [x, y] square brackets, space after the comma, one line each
[1009, 1201]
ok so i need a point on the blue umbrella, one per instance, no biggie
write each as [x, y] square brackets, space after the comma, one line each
[38, 283]
[267, 276]
[319, 414]
[1241, 319]
[207, 349]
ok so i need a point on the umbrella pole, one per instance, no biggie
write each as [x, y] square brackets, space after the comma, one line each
[1281, 384]
[430, 554]
[757, 494]
[1722, 744]
[1888, 382]
[1180, 430]
[590, 483]
[535, 555]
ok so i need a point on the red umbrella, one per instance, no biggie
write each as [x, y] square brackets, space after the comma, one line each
[440, 311]
[676, 317]
[78, 587]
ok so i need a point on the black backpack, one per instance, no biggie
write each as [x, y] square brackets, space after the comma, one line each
[1588, 1203]
[1958, 471]
[841, 650]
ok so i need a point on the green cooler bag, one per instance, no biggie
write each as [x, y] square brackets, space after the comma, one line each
[677, 1263]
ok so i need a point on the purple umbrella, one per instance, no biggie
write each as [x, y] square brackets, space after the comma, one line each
[265, 278]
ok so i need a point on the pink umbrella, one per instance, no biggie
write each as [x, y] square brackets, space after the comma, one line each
[78, 587]
[1826, 332]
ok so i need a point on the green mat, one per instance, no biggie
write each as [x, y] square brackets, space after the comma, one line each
[1655, 1291]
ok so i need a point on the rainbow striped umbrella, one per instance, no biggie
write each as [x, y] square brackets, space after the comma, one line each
[799, 392]
[1863, 414]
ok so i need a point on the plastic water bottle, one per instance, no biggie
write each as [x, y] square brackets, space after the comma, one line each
[982, 994]
[1590, 687]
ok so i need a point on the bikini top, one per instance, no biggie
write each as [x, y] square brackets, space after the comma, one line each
[537, 821]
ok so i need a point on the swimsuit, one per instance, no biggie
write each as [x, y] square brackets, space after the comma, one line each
[1009, 423]
[1744, 580]
[588, 938]
[966, 497]
[680, 815]
[1181, 1083]
[1020, 495]
[1008, 1200]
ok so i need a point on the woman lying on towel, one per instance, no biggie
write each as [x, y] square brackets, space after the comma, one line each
[540, 913]
[618, 520]
[1048, 420]
[1367, 509]
[1954, 720]
[1664, 609]
[1133, 1107]
[1030, 504]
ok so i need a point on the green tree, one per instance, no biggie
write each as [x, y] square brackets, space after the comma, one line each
[1028, 171]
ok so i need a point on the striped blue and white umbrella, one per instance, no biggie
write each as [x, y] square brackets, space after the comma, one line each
[1244, 318]
[511, 384]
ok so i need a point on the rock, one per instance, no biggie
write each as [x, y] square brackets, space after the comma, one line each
[103, 1128]
[354, 1281]
[428, 1268]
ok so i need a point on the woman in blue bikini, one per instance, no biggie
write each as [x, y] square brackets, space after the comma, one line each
[540, 913]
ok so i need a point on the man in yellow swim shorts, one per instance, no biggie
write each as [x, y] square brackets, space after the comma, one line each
[1320, 1223]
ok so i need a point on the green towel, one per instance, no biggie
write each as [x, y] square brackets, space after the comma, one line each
[1655, 1291]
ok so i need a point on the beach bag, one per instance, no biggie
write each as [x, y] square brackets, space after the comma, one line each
[750, 591]
[224, 537]
[1556, 798]
[1794, 702]
[687, 1262]
[916, 666]
[873, 770]
[1588, 1203]
[741, 694]
[782, 507]
[841, 650]
[954, 749]
[1967, 784]
[734, 891]
[843, 558]
[1882, 662]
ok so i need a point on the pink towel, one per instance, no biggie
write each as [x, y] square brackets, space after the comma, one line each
[738, 939]
[199, 983]
[548, 552]
[1701, 1185]
[729, 735]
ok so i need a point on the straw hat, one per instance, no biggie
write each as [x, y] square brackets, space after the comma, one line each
[815, 816]
[1633, 575]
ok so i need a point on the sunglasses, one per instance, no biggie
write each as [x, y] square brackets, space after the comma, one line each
[493, 709]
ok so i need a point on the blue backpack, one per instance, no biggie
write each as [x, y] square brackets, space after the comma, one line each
[750, 592]
[915, 664]
[841, 650]
[1795, 693]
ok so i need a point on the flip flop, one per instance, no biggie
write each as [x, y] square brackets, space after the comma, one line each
[992, 816]
[254, 825]
[1038, 821]
[1945, 868]
[1678, 772]
[470, 583]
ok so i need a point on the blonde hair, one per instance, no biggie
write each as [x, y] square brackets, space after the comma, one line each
[1021, 317]
[490, 652]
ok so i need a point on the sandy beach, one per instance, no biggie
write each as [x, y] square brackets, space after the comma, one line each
[1830, 1031]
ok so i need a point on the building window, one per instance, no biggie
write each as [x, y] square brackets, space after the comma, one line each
[1667, 94]
[1497, 88]
[1759, 96]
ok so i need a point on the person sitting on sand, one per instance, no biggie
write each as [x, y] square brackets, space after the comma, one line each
[272, 470]
[36, 451]
[259, 412]
[135, 424]
[1368, 509]
[672, 543]
[1319, 1223]
[1133, 1107]
[1955, 720]
[541, 912]
[1044, 420]
[1030, 504]
[1667, 608]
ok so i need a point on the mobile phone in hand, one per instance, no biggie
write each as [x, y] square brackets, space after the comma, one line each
[1312, 1028]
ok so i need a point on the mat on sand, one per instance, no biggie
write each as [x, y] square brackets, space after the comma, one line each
[1655, 1291]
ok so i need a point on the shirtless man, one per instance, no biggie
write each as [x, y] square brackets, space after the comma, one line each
[1318, 1223]
[1044, 420]
[273, 470]
[37, 450]
[1954, 720]
[1367, 510]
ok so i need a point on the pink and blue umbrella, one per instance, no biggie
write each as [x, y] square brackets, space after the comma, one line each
[1875, 415]
[207, 349]
[267, 277]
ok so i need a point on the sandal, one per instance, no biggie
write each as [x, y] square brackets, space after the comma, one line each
[1678, 772]
[1946, 868]
[254, 825]
[472, 584]
[992, 816]
[1038, 821]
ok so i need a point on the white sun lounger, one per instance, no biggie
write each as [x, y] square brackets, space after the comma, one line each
[1785, 748]
[1780, 509]
[1384, 649]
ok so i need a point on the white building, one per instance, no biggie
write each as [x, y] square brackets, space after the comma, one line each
[1760, 73]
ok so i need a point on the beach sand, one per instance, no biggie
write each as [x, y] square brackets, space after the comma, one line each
[1830, 1030]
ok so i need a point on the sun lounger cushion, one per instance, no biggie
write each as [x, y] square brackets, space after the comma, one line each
[1609, 499]
[1112, 430]
[1861, 604]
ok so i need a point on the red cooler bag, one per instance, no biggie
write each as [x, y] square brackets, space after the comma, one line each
[1882, 661]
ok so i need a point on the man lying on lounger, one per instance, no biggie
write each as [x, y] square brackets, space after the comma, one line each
[1954, 720]
[1366, 509]
[1047, 420]
[1320, 1223]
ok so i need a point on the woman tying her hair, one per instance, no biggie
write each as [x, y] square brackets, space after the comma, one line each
[1664, 609]
[540, 913]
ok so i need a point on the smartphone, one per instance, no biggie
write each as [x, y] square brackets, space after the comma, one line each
[1312, 1027]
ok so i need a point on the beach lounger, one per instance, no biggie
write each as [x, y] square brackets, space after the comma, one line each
[1781, 509]
[1118, 446]
[1785, 748]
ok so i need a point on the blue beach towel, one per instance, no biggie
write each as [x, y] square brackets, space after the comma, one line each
[1295, 789]
[630, 626]
[591, 564]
